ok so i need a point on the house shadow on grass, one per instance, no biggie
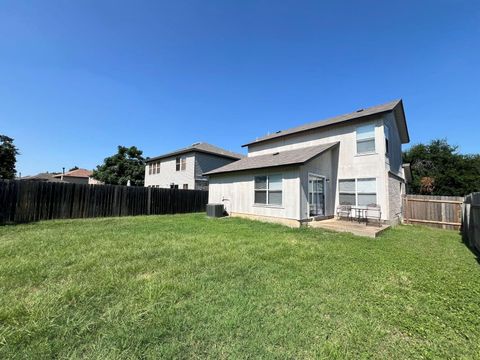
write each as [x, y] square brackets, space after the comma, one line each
[469, 244]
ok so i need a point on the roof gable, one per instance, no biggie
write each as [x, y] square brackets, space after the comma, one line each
[200, 147]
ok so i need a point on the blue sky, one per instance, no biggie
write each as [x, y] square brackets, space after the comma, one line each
[78, 78]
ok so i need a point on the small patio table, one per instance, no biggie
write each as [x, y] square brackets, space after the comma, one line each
[360, 213]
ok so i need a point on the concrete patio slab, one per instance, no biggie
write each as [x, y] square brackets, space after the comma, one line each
[352, 227]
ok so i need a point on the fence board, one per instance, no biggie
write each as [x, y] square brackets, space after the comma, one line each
[26, 201]
[435, 211]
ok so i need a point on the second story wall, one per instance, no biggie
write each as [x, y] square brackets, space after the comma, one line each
[350, 163]
[169, 175]
[205, 162]
[394, 157]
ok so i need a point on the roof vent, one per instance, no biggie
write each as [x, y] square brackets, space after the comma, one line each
[276, 153]
[359, 110]
[195, 144]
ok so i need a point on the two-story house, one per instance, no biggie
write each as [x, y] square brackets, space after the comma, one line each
[185, 168]
[304, 173]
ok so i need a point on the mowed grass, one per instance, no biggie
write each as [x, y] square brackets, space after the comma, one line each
[185, 286]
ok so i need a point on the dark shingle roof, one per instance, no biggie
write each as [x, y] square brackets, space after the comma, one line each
[396, 105]
[282, 158]
[201, 147]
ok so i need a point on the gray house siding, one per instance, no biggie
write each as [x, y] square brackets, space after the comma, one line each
[204, 163]
[395, 190]
[394, 156]
[169, 175]
[236, 191]
[324, 165]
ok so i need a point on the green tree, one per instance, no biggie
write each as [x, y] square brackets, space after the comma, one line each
[126, 164]
[439, 169]
[8, 157]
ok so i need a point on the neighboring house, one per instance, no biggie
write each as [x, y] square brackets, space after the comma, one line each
[304, 173]
[78, 176]
[185, 168]
[45, 177]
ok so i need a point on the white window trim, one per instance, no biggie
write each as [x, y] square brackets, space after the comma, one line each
[267, 190]
[182, 160]
[154, 168]
[371, 138]
[356, 188]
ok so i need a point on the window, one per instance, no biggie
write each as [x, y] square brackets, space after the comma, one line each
[346, 192]
[185, 186]
[386, 129]
[260, 189]
[268, 190]
[366, 139]
[180, 163]
[357, 192]
[154, 168]
[366, 192]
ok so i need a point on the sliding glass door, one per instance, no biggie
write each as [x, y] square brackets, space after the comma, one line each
[316, 195]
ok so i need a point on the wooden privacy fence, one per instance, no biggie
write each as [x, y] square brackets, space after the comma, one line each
[436, 211]
[471, 221]
[25, 201]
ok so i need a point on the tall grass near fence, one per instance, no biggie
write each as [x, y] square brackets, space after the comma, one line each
[26, 201]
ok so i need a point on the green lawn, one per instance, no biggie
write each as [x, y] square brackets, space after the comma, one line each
[185, 286]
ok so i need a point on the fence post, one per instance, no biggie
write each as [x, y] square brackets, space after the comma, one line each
[443, 215]
[406, 209]
[149, 201]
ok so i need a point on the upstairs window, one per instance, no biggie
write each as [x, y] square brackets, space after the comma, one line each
[366, 139]
[154, 168]
[180, 163]
[268, 190]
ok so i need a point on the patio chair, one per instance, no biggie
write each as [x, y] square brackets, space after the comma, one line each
[344, 211]
[374, 212]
